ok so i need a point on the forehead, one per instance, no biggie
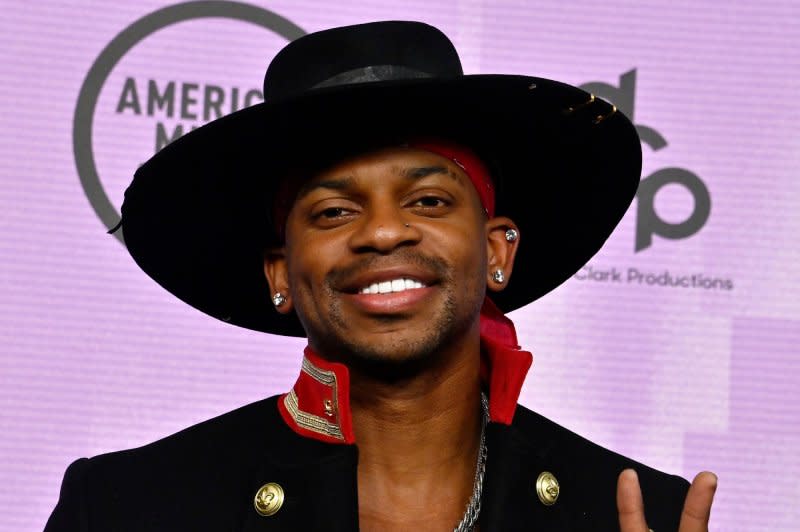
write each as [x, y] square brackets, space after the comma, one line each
[403, 163]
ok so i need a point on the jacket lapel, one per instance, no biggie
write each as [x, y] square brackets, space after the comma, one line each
[317, 496]
[510, 500]
[318, 481]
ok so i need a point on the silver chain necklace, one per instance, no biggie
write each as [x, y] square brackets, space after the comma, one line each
[470, 518]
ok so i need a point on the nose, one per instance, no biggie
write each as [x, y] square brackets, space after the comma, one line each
[383, 229]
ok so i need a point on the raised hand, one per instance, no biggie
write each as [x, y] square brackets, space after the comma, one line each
[696, 507]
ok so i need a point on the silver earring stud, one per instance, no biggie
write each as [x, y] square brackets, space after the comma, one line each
[278, 299]
[512, 235]
[498, 276]
[407, 225]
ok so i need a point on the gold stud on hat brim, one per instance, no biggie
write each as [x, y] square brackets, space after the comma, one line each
[268, 499]
[600, 118]
[573, 108]
[547, 488]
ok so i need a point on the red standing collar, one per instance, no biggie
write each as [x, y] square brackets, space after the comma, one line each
[318, 406]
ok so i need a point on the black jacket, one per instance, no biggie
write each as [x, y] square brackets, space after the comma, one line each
[206, 477]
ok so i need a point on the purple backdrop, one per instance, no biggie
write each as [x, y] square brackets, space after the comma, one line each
[679, 352]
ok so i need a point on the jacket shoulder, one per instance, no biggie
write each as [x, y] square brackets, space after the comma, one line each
[188, 473]
[591, 471]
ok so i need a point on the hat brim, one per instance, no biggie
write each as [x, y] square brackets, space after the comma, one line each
[197, 216]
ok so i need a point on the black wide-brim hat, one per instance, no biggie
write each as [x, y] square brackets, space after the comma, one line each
[199, 214]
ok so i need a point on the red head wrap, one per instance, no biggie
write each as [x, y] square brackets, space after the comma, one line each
[469, 162]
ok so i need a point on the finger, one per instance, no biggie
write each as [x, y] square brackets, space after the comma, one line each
[629, 503]
[697, 508]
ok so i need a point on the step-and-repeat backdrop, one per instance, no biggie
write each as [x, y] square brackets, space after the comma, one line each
[676, 345]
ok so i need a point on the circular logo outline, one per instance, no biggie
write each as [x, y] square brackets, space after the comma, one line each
[111, 55]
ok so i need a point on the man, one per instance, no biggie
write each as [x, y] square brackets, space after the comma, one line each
[371, 204]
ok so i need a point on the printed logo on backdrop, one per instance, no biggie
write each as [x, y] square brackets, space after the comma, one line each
[171, 107]
[648, 222]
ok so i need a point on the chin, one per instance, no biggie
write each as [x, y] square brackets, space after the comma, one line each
[394, 351]
[396, 357]
[391, 366]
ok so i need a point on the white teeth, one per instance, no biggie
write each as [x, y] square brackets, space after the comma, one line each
[395, 285]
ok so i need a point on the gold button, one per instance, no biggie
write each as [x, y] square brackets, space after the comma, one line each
[547, 488]
[269, 499]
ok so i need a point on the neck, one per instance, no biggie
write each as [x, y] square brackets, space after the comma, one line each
[418, 443]
[418, 437]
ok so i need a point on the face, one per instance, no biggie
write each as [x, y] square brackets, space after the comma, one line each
[387, 258]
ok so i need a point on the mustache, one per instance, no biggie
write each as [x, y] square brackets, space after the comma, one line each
[434, 265]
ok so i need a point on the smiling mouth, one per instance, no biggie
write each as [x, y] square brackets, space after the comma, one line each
[392, 286]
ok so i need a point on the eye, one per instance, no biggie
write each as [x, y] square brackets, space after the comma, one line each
[430, 204]
[332, 212]
[430, 201]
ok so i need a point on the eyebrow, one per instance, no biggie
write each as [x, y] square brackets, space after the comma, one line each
[420, 172]
[343, 183]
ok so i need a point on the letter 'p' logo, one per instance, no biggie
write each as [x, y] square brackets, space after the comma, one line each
[648, 222]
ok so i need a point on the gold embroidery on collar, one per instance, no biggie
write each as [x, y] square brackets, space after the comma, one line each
[310, 421]
[328, 378]
[320, 375]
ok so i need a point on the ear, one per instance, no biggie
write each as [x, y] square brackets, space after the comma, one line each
[277, 274]
[501, 250]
